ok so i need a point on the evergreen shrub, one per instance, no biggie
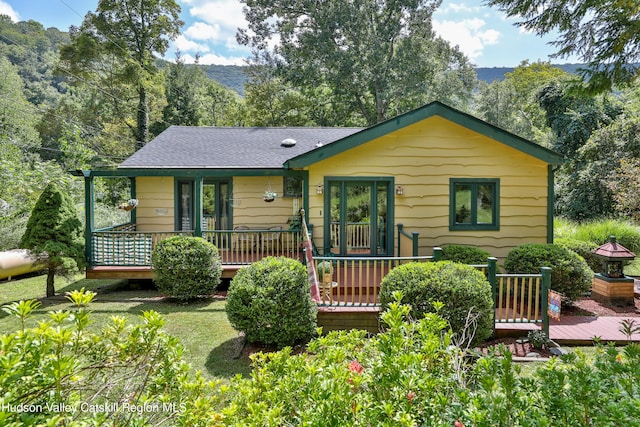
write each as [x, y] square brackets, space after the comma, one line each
[464, 254]
[570, 273]
[461, 288]
[270, 302]
[186, 267]
[584, 249]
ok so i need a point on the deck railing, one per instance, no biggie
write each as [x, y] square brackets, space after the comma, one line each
[122, 245]
[356, 281]
[247, 246]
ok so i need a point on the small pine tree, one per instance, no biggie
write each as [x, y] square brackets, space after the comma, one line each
[54, 235]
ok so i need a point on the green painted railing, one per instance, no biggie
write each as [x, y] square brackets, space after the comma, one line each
[410, 239]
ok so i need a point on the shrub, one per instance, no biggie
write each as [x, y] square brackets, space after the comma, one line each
[584, 249]
[459, 287]
[186, 267]
[65, 374]
[271, 303]
[464, 254]
[570, 274]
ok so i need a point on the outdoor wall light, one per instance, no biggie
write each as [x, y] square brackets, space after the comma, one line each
[399, 190]
[320, 189]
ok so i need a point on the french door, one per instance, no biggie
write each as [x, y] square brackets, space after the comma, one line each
[358, 216]
[215, 204]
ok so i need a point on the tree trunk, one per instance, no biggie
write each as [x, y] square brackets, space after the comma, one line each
[143, 118]
[51, 290]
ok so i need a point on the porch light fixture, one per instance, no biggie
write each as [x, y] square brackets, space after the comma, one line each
[320, 189]
[399, 190]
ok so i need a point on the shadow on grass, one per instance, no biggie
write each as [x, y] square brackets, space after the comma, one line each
[228, 359]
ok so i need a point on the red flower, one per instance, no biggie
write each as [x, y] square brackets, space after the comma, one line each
[411, 395]
[458, 423]
[356, 367]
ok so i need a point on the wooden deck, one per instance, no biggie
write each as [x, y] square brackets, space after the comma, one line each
[144, 272]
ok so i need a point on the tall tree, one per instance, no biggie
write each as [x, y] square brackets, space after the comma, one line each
[380, 58]
[603, 33]
[513, 102]
[126, 34]
[54, 235]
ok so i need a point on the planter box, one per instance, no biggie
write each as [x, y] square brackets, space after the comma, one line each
[613, 291]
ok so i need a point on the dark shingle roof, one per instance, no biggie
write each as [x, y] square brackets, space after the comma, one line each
[221, 147]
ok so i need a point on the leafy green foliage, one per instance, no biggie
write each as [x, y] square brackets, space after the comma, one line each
[186, 267]
[584, 249]
[465, 254]
[598, 232]
[122, 374]
[603, 33]
[271, 303]
[570, 273]
[54, 235]
[410, 375]
[464, 291]
[377, 59]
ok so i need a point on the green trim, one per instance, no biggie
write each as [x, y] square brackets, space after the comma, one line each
[89, 222]
[189, 173]
[417, 115]
[197, 207]
[132, 192]
[550, 202]
[495, 208]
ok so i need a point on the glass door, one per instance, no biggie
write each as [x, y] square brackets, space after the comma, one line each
[215, 205]
[184, 205]
[358, 220]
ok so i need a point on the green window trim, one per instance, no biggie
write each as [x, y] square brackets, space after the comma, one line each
[473, 215]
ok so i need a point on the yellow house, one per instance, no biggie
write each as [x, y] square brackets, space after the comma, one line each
[431, 177]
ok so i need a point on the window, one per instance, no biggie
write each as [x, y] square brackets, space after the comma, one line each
[474, 204]
[292, 186]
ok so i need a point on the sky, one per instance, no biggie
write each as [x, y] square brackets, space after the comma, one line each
[484, 34]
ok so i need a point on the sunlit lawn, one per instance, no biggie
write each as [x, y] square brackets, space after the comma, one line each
[212, 346]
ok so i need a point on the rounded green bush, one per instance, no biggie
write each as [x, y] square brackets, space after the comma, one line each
[186, 267]
[584, 249]
[461, 288]
[270, 302]
[465, 254]
[570, 273]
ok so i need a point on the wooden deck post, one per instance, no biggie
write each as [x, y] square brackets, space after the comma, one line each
[491, 276]
[546, 285]
[437, 253]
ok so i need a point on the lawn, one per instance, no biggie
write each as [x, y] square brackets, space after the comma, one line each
[212, 346]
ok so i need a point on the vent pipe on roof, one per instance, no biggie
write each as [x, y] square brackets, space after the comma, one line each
[288, 142]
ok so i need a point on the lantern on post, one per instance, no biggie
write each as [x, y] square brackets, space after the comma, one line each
[611, 285]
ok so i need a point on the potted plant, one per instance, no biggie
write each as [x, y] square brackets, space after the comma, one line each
[325, 273]
[269, 196]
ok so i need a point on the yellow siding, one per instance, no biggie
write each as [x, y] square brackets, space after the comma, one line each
[155, 211]
[250, 209]
[422, 158]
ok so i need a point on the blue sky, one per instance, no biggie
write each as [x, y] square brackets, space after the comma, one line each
[482, 33]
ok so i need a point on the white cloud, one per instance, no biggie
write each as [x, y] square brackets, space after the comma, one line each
[6, 9]
[225, 13]
[458, 8]
[185, 45]
[467, 34]
[202, 31]
[212, 58]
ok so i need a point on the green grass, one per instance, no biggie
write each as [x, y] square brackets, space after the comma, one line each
[211, 345]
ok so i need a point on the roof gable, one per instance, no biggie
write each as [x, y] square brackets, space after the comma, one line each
[415, 116]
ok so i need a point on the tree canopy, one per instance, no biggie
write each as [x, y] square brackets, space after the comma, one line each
[117, 43]
[603, 33]
[380, 58]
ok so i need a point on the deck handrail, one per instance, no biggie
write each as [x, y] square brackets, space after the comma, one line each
[356, 280]
[413, 238]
